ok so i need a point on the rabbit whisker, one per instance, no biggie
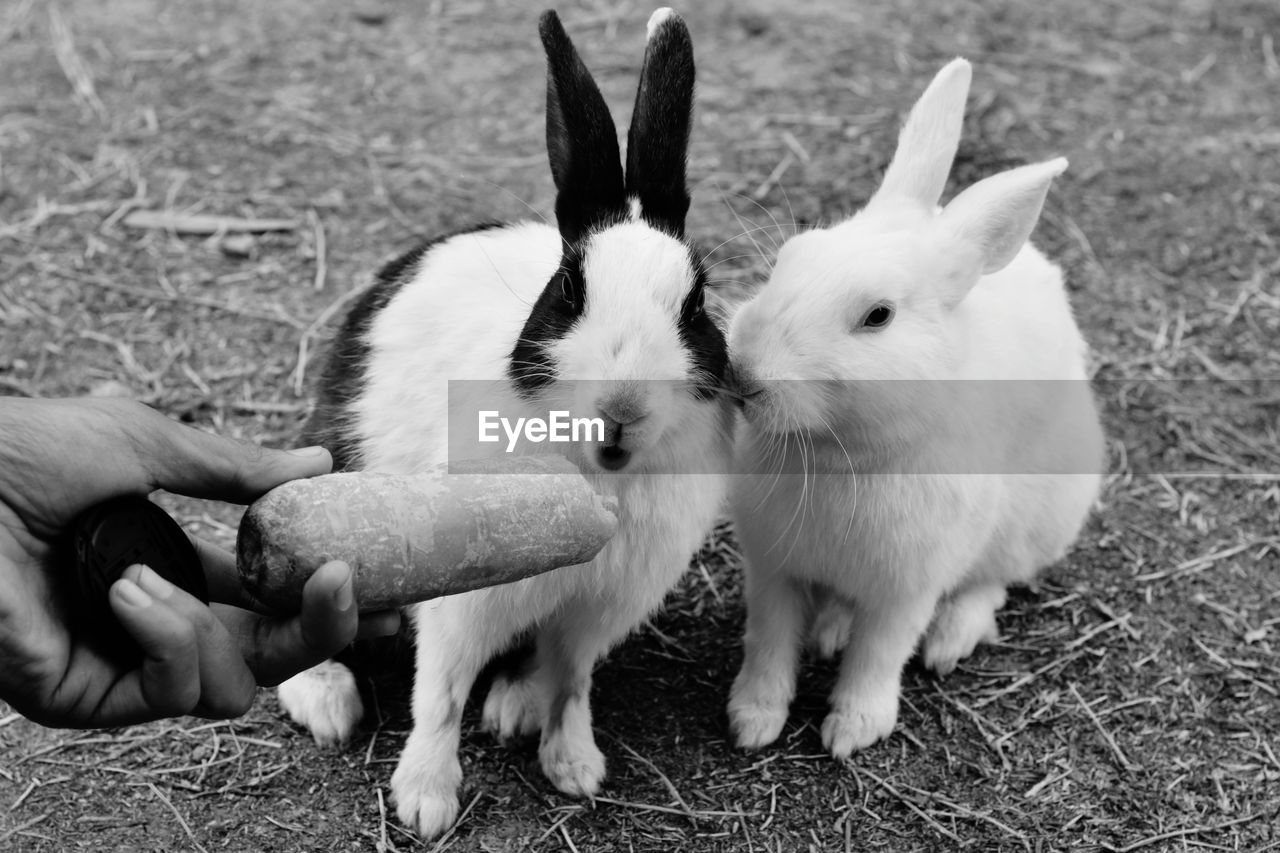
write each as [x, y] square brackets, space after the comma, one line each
[711, 266]
[775, 449]
[798, 514]
[498, 186]
[724, 197]
[705, 380]
[853, 479]
[480, 246]
[777, 225]
[807, 456]
[759, 249]
[746, 232]
[795, 226]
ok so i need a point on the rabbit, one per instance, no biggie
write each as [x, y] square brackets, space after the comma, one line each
[884, 499]
[601, 314]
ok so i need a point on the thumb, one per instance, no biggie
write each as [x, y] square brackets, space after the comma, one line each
[191, 462]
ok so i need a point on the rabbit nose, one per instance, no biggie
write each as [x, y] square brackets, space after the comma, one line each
[623, 408]
[622, 416]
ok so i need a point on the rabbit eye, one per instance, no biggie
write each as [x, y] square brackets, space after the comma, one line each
[700, 302]
[878, 317]
[566, 290]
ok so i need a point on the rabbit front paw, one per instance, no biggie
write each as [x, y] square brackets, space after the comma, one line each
[847, 730]
[577, 769]
[757, 713]
[756, 725]
[428, 805]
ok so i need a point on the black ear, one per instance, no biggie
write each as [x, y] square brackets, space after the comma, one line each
[658, 141]
[582, 141]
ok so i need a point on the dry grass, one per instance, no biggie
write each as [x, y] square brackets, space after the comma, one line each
[1132, 704]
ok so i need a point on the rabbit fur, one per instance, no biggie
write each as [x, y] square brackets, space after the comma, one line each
[889, 488]
[600, 314]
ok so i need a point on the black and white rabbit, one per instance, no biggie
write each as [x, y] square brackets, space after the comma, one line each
[601, 315]
[919, 431]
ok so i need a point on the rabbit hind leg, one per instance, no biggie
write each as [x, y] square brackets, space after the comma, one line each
[325, 701]
[963, 620]
[516, 705]
[832, 624]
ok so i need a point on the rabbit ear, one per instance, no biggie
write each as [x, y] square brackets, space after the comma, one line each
[658, 140]
[929, 139]
[582, 141]
[995, 216]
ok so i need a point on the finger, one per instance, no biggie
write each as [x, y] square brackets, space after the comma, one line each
[221, 575]
[227, 687]
[189, 461]
[276, 649]
[382, 623]
[329, 615]
[167, 683]
[225, 587]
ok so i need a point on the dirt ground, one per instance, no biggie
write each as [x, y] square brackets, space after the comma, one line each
[1134, 700]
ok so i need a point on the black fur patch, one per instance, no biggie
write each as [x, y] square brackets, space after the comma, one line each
[703, 338]
[559, 306]
[344, 375]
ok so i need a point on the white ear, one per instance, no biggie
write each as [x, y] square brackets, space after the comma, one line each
[996, 215]
[929, 139]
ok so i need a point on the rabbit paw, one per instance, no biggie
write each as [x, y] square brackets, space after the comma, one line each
[325, 701]
[848, 730]
[512, 708]
[830, 633]
[757, 711]
[956, 631]
[423, 803]
[575, 769]
[756, 725]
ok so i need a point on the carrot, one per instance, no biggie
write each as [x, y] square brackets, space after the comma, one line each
[411, 538]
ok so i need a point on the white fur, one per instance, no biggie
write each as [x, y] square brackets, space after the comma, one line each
[929, 138]
[657, 19]
[458, 319]
[325, 701]
[880, 507]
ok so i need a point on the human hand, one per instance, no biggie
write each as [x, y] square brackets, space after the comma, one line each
[58, 458]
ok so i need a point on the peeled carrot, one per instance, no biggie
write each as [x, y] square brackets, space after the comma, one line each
[415, 537]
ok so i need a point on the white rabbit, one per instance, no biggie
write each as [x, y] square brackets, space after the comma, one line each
[889, 491]
[601, 316]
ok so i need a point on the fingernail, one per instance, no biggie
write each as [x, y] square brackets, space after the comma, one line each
[152, 583]
[345, 596]
[131, 594]
[308, 452]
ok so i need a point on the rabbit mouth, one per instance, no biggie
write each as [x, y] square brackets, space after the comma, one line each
[747, 396]
[613, 457]
[753, 404]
